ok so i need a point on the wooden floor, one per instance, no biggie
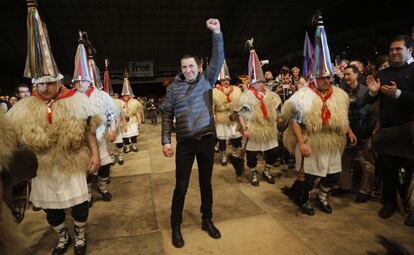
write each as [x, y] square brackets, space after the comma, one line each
[252, 220]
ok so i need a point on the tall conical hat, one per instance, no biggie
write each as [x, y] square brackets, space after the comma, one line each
[321, 59]
[93, 68]
[224, 73]
[255, 69]
[126, 86]
[40, 64]
[82, 71]
[107, 86]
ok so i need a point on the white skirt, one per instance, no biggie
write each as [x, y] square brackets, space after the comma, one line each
[254, 145]
[59, 191]
[225, 132]
[132, 130]
[320, 164]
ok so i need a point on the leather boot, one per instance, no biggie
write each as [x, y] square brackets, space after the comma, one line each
[209, 227]
[177, 238]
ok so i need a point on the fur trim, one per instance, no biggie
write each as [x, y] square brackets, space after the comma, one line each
[121, 116]
[105, 105]
[106, 110]
[62, 144]
[222, 109]
[319, 137]
[8, 142]
[260, 129]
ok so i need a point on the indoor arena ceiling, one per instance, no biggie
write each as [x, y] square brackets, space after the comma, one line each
[161, 30]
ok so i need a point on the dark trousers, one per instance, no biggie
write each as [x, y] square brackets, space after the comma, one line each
[235, 143]
[79, 212]
[388, 167]
[203, 151]
[269, 155]
[128, 141]
[104, 171]
[153, 115]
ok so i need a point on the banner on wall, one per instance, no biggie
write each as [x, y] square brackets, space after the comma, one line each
[141, 68]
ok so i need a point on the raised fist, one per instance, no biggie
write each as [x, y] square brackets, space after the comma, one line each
[213, 25]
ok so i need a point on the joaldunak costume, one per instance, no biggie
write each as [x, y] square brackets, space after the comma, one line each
[259, 110]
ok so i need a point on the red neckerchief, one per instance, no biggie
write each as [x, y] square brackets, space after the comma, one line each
[260, 97]
[326, 113]
[221, 88]
[64, 93]
[89, 91]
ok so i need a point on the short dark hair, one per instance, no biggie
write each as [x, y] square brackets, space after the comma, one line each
[285, 70]
[196, 58]
[22, 85]
[353, 67]
[407, 40]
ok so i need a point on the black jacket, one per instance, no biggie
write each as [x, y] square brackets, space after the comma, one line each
[361, 115]
[396, 111]
[191, 104]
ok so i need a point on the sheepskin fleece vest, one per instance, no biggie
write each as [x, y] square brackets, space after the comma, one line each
[60, 145]
[223, 108]
[132, 108]
[259, 127]
[321, 138]
[106, 110]
[8, 142]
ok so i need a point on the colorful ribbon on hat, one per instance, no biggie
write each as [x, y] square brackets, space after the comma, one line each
[89, 91]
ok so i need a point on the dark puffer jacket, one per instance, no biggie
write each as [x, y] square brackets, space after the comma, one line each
[191, 103]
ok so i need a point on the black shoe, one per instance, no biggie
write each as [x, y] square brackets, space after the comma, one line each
[177, 238]
[59, 251]
[106, 196]
[291, 165]
[387, 210]
[212, 231]
[80, 250]
[409, 219]
[269, 178]
[307, 209]
[362, 198]
[324, 206]
[120, 162]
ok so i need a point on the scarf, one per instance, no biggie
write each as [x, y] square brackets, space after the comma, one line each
[260, 96]
[326, 113]
[64, 93]
[221, 88]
